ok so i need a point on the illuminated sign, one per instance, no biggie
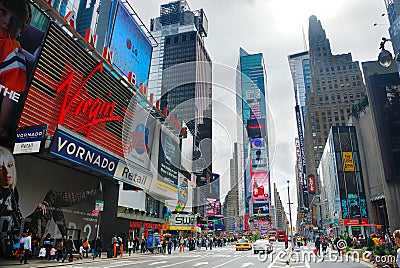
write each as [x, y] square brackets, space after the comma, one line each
[348, 161]
[95, 110]
[76, 151]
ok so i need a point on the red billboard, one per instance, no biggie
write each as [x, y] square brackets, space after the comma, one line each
[311, 184]
[260, 186]
[78, 92]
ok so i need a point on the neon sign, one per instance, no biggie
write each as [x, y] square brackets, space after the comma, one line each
[96, 110]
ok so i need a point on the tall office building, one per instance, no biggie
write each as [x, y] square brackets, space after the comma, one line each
[251, 106]
[181, 79]
[280, 214]
[181, 69]
[336, 85]
[300, 69]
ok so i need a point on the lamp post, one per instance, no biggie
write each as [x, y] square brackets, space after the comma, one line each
[290, 211]
[385, 57]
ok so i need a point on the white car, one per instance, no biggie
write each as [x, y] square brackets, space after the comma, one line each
[262, 245]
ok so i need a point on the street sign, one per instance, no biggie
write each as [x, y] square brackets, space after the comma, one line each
[95, 212]
[99, 205]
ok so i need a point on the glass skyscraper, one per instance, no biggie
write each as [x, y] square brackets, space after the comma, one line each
[254, 188]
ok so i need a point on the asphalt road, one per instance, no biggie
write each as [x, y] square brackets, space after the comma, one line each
[226, 257]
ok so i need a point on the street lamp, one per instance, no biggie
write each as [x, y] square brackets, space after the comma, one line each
[290, 211]
[385, 57]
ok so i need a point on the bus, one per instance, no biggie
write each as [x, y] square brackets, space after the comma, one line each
[281, 235]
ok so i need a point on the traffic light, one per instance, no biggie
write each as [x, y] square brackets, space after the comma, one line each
[326, 216]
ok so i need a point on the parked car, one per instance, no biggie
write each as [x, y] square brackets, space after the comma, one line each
[243, 244]
[262, 245]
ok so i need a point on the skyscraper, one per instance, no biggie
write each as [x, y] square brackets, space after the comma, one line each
[181, 69]
[181, 79]
[336, 85]
[251, 106]
[300, 69]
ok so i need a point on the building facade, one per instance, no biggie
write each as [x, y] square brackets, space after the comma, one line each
[251, 98]
[342, 183]
[336, 85]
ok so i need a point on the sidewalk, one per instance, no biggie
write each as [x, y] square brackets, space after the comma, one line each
[37, 262]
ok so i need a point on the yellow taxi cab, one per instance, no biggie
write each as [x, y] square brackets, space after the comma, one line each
[243, 244]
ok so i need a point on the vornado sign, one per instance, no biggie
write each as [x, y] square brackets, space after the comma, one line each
[182, 222]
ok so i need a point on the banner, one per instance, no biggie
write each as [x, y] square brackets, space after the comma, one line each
[19, 58]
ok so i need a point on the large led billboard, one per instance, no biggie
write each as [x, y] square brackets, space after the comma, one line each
[260, 186]
[168, 159]
[19, 57]
[130, 45]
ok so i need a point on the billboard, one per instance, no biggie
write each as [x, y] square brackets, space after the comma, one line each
[311, 184]
[261, 209]
[130, 45]
[19, 56]
[260, 186]
[48, 198]
[75, 91]
[183, 193]
[138, 135]
[168, 159]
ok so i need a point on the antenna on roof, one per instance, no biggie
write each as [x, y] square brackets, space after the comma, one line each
[304, 39]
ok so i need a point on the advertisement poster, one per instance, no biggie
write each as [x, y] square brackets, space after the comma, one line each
[183, 193]
[169, 159]
[260, 186]
[19, 55]
[42, 199]
[348, 161]
[131, 47]
[138, 133]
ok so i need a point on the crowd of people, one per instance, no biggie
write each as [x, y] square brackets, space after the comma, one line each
[48, 248]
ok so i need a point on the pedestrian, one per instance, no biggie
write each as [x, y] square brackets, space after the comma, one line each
[69, 248]
[285, 239]
[35, 245]
[396, 237]
[27, 247]
[131, 246]
[143, 245]
[60, 248]
[86, 247]
[98, 246]
[318, 245]
[48, 243]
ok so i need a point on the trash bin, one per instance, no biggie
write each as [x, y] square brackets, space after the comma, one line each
[110, 253]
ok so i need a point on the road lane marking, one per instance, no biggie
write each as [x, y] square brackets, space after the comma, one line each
[200, 263]
[157, 262]
[247, 264]
[230, 261]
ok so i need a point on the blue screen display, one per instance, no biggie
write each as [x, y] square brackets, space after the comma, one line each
[132, 49]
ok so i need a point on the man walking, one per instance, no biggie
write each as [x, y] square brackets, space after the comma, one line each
[27, 247]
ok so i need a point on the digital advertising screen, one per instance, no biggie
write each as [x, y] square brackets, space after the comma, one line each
[260, 186]
[132, 49]
[169, 159]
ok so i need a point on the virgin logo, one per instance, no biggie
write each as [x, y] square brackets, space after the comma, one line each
[96, 110]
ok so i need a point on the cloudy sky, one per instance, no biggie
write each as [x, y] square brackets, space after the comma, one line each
[274, 28]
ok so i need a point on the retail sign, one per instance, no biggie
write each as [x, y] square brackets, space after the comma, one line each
[132, 175]
[78, 152]
[29, 139]
[348, 163]
[182, 220]
[151, 225]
